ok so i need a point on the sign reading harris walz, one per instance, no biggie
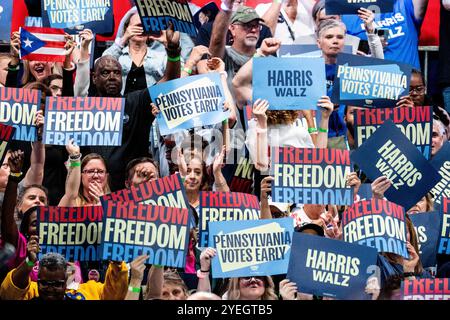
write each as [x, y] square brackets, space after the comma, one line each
[370, 82]
[156, 15]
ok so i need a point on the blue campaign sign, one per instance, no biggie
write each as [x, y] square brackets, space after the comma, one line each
[311, 176]
[6, 8]
[18, 108]
[377, 224]
[221, 206]
[332, 268]
[289, 83]
[90, 121]
[370, 82]
[157, 14]
[416, 123]
[251, 248]
[133, 229]
[444, 234]
[427, 229]
[441, 162]
[73, 232]
[388, 152]
[304, 50]
[189, 102]
[78, 15]
[338, 7]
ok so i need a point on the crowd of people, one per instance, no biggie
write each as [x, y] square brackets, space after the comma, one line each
[35, 174]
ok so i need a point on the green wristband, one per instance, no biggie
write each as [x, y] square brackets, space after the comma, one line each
[312, 130]
[323, 130]
[75, 164]
[134, 289]
[176, 59]
[187, 70]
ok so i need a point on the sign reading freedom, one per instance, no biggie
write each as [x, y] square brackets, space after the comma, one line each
[224, 206]
[370, 82]
[157, 14]
[388, 152]
[441, 162]
[6, 134]
[426, 289]
[18, 108]
[132, 229]
[289, 83]
[251, 248]
[378, 224]
[338, 7]
[328, 267]
[311, 176]
[189, 102]
[90, 121]
[73, 232]
[416, 124]
[168, 191]
[444, 239]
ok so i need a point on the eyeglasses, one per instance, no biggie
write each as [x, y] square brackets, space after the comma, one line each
[250, 26]
[418, 89]
[52, 283]
[91, 172]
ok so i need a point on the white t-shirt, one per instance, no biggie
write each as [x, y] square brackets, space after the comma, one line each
[302, 26]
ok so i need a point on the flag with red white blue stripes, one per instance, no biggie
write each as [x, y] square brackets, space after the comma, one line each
[42, 44]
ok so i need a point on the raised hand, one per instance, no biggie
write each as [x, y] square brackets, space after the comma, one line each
[288, 289]
[326, 106]
[353, 181]
[266, 187]
[72, 148]
[270, 46]
[205, 258]
[33, 248]
[137, 267]
[215, 65]
[182, 165]
[218, 161]
[155, 109]
[367, 16]
[259, 111]
[410, 264]
[380, 186]
[86, 37]
[16, 161]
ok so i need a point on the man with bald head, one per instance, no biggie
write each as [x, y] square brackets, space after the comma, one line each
[138, 118]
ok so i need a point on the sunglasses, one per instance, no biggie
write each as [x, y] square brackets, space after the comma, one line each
[248, 280]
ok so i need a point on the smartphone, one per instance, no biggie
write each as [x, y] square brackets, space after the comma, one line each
[364, 46]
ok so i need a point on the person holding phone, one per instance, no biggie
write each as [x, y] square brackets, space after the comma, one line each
[142, 56]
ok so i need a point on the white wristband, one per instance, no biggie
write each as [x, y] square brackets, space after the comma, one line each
[224, 7]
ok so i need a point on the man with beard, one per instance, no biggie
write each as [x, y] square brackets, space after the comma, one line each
[138, 118]
[245, 27]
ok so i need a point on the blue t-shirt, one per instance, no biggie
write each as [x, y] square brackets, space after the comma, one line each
[404, 28]
[336, 124]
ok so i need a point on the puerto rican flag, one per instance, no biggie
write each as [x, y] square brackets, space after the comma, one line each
[42, 44]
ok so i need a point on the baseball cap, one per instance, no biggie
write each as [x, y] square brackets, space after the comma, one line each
[245, 14]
